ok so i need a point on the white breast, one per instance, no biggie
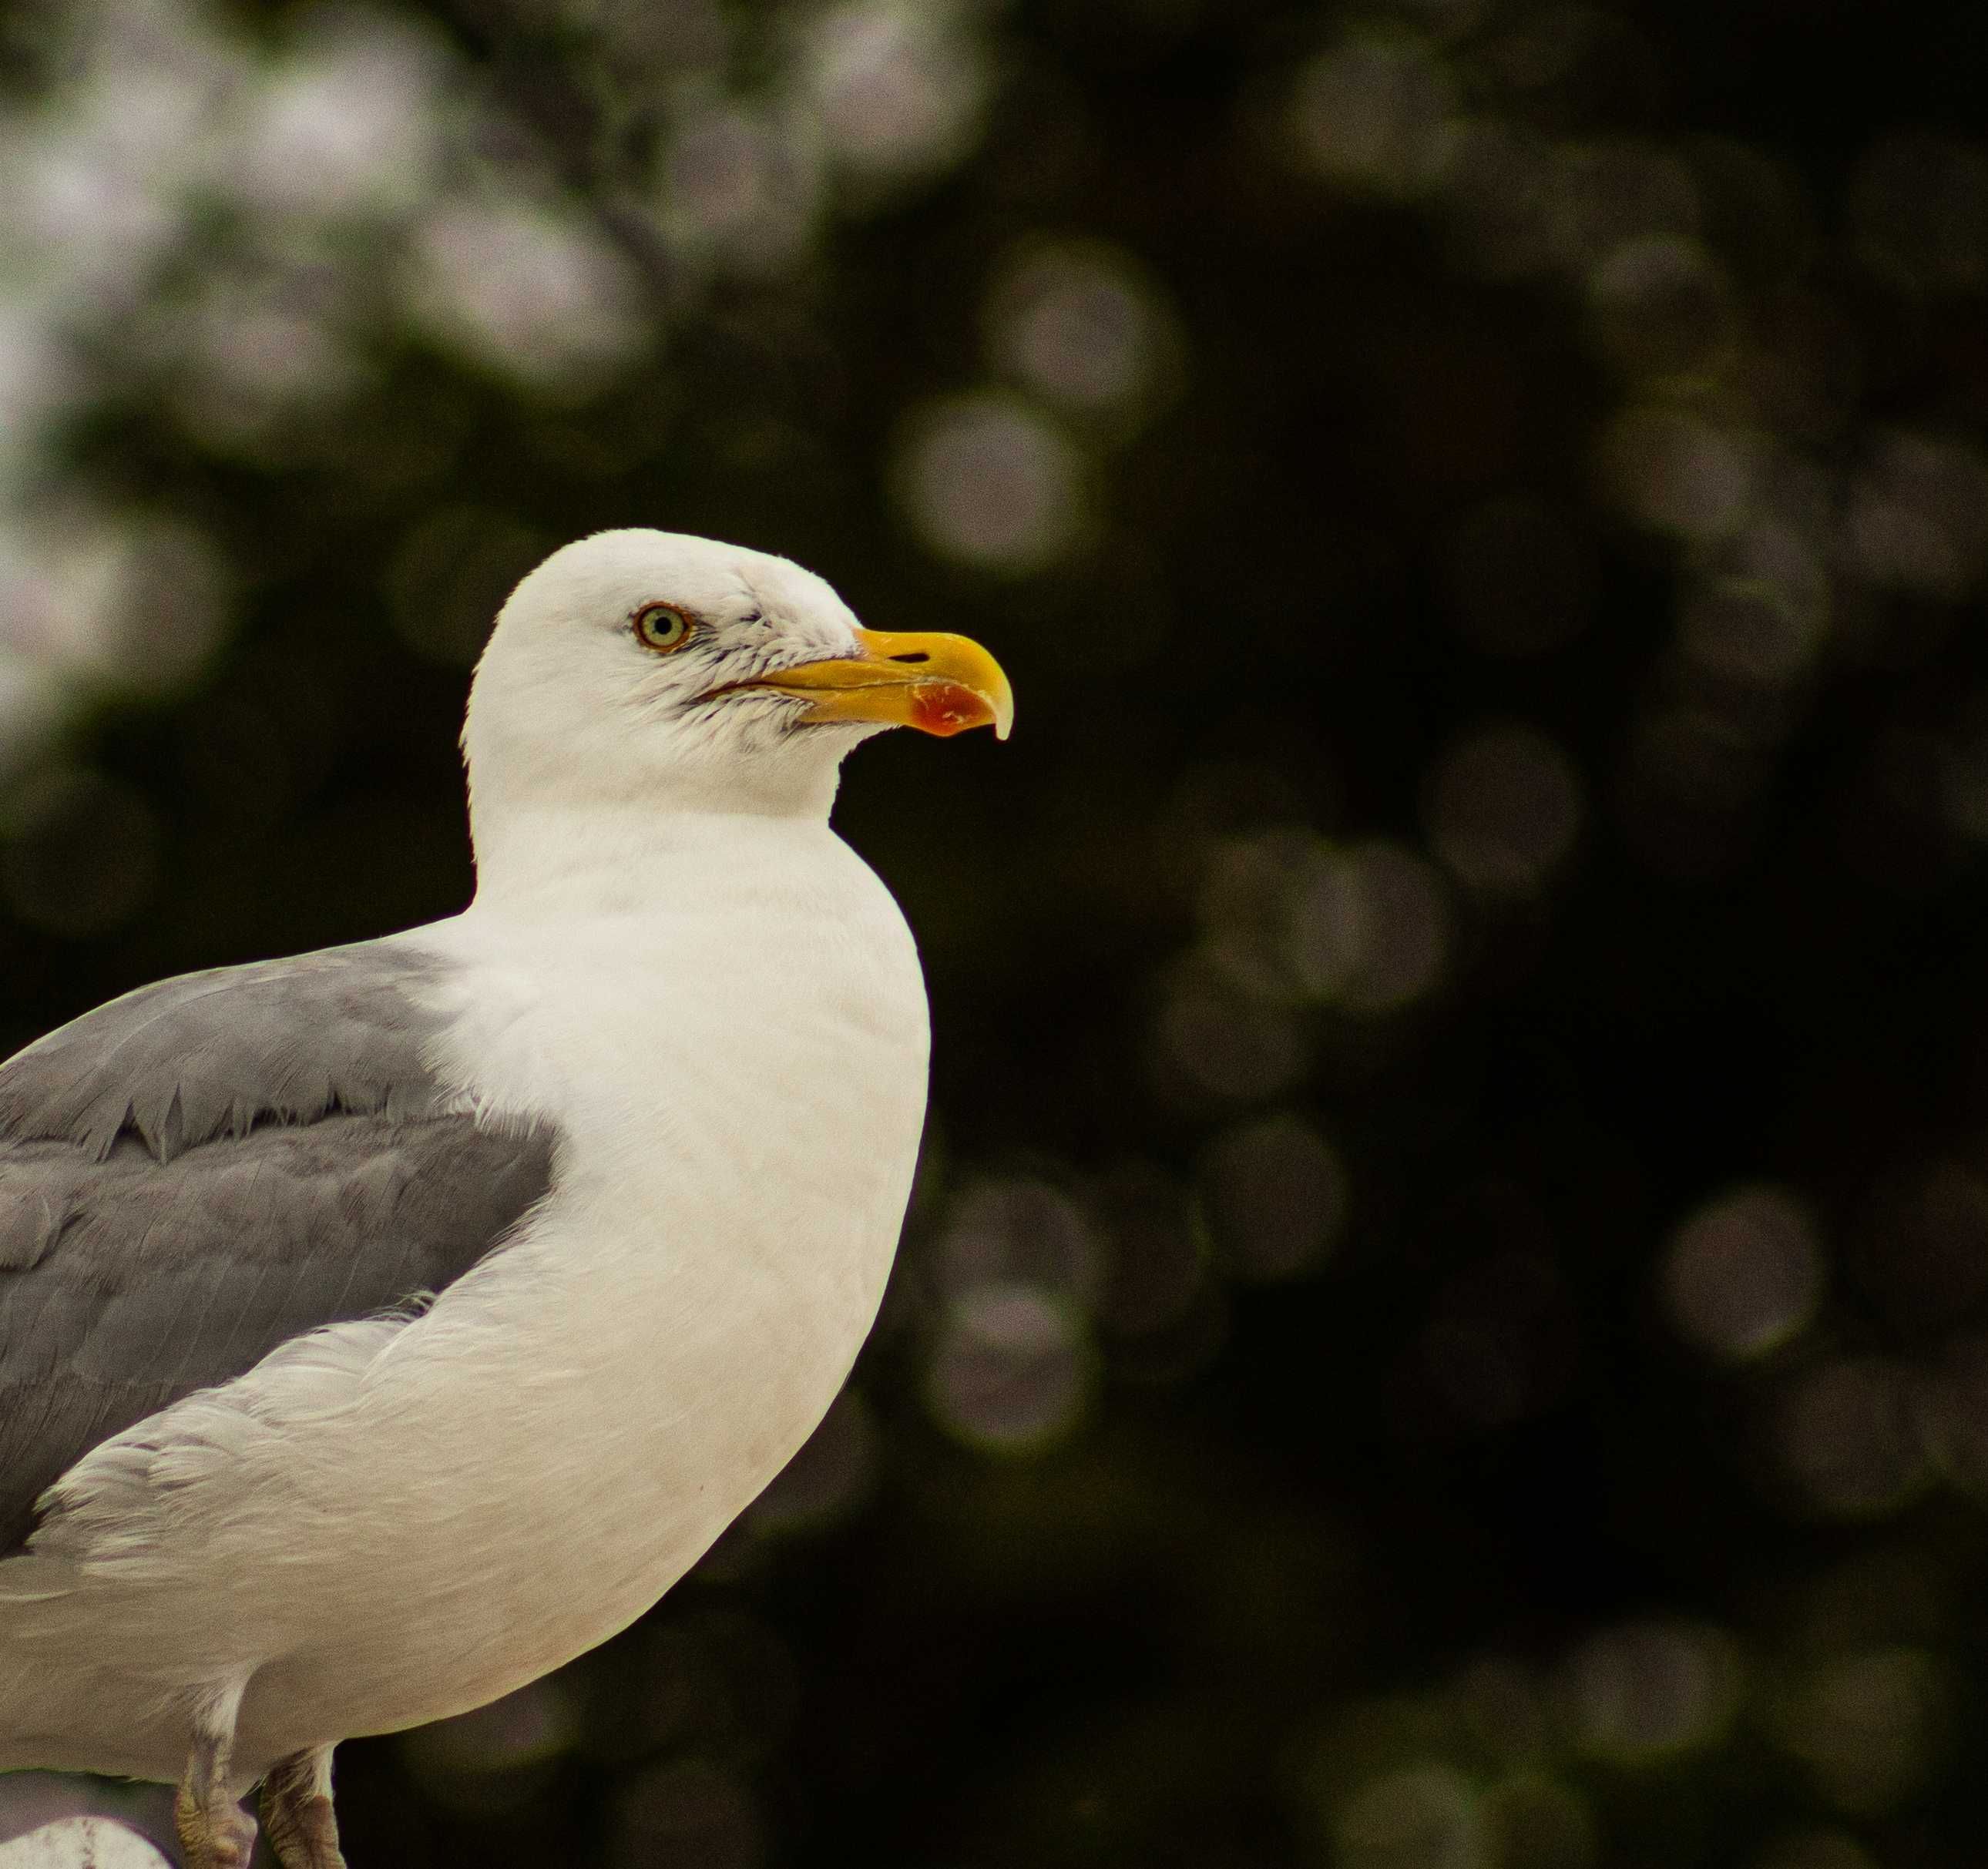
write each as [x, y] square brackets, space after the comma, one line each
[739, 1077]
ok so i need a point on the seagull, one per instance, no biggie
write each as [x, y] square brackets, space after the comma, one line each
[381, 1327]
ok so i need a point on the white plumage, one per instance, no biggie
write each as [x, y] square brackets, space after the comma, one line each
[675, 966]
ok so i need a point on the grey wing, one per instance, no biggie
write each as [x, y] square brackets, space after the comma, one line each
[201, 1170]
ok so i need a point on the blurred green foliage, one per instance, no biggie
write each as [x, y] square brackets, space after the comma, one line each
[1445, 1322]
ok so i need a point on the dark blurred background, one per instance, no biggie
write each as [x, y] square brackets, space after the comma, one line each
[1445, 1323]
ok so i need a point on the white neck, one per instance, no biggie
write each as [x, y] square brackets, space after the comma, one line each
[564, 860]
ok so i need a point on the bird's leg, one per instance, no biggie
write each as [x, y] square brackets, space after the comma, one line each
[215, 1832]
[297, 1816]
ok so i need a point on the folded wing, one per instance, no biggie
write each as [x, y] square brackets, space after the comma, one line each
[201, 1170]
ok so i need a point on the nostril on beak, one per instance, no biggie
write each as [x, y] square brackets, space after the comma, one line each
[916, 655]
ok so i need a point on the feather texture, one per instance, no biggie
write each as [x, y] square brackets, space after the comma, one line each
[194, 1174]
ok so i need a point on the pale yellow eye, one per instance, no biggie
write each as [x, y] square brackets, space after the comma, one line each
[663, 626]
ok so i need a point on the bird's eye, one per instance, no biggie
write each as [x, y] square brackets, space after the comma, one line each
[663, 626]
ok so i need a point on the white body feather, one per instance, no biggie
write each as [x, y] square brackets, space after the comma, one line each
[383, 1523]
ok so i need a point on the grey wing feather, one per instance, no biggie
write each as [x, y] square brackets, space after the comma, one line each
[212, 1054]
[202, 1169]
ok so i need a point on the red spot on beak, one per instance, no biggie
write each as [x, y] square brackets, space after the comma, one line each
[945, 708]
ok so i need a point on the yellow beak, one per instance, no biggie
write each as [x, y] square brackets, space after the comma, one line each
[941, 684]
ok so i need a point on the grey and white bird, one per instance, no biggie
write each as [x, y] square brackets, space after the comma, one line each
[381, 1327]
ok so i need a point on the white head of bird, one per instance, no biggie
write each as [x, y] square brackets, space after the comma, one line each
[664, 673]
